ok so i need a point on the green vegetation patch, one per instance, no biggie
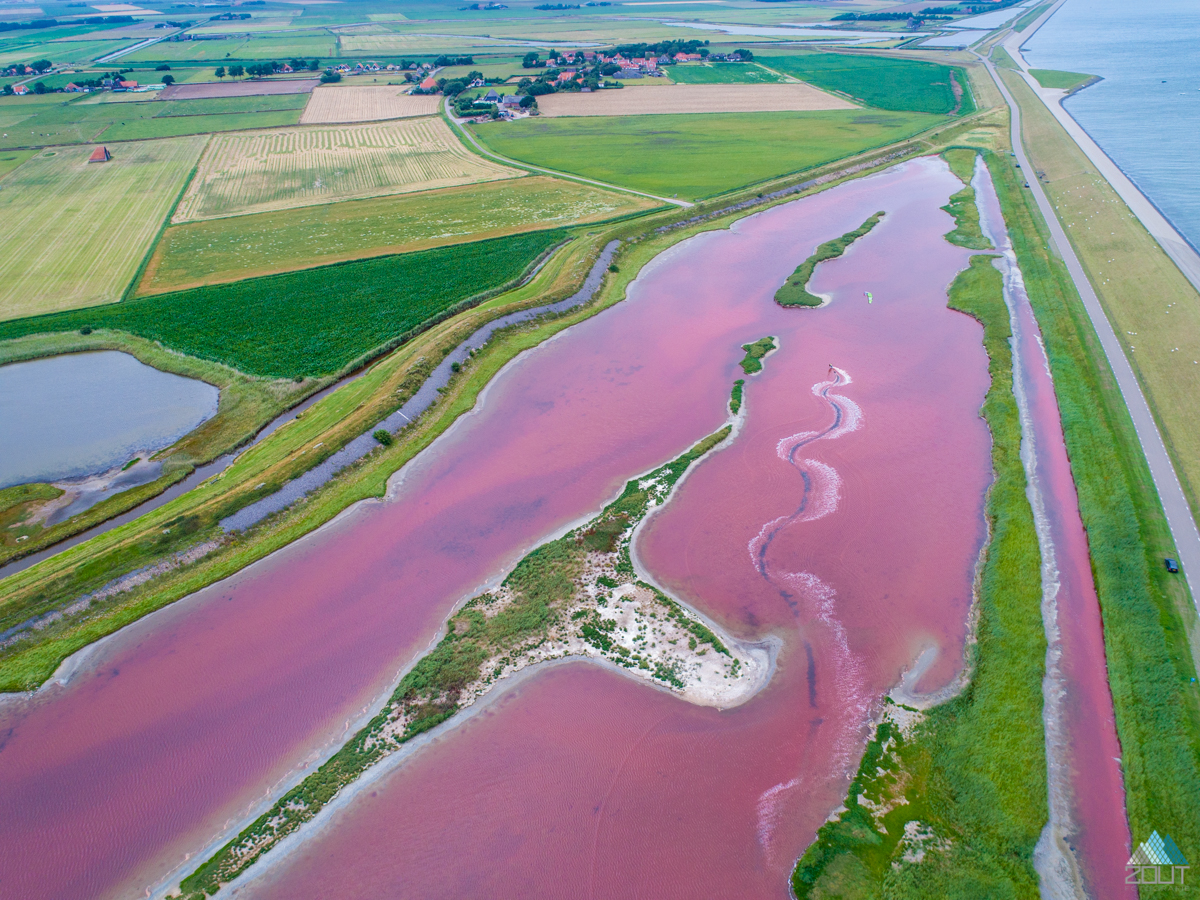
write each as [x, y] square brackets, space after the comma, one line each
[17, 504]
[83, 120]
[893, 84]
[962, 206]
[1067, 81]
[230, 249]
[212, 106]
[722, 73]
[752, 361]
[697, 155]
[794, 291]
[955, 808]
[736, 395]
[313, 322]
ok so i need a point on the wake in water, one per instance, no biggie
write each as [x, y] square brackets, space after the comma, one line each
[808, 595]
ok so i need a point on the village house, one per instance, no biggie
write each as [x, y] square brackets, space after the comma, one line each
[491, 96]
[20, 89]
[429, 84]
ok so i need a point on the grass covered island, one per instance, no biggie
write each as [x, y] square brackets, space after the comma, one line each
[794, 291]
[579, 596]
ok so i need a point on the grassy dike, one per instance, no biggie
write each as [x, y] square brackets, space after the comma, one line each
[950, 803]
[1146, 621]
[794, 291]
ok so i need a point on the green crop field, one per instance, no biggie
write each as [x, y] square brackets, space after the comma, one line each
[895, 84]
[10, 159]
[226, 105]
[722, 73]
[67, 120]
[313, 322]
[1052, 78]
[230, 249]
[272, 46]
[75, 233]
[697, 155]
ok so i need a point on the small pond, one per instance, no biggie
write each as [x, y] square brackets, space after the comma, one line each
[84, 413]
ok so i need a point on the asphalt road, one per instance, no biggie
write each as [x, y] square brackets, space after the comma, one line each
[1174, 502]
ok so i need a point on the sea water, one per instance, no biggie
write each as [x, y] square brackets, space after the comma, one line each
[1145, 114]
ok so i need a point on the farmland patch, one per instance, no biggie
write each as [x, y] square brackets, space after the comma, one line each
[289, 168]
[691, 98]
[893, 84]
[207, 90]
[366, 103]
[722, 73]
[696, 156]
[313, 322]
[105, 217]
[231, 249]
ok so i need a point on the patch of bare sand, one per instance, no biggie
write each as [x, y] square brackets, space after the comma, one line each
[691, 98]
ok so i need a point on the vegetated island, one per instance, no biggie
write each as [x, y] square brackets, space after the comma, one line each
[794, 291]
[575, 597]
[752, 361]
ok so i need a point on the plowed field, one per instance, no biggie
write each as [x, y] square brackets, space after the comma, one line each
[366, 103]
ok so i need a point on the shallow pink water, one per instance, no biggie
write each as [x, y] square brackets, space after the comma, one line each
[1098, 828]
[855, 545]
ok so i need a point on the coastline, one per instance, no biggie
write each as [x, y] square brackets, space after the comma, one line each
[1174, 244]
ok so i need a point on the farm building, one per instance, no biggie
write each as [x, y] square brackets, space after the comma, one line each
[429, 85]
[491, 96]
[20, 89]
[100, 154]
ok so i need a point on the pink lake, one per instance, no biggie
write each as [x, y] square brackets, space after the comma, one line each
[580, 782]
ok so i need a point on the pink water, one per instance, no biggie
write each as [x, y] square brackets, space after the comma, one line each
[1087, 764]
[845, 518]
[179, 725]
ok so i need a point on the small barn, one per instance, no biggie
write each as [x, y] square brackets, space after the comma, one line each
[100, 154]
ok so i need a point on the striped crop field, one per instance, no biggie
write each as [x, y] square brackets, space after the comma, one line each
[286, 168]
[75, 233]
[216, 251]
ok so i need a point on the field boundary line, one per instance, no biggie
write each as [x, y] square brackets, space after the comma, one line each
[512, 162]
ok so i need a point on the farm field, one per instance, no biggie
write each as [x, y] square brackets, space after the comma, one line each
[313, 322]
[106, 216]
[223, 250]
[74, 121]
[216, 89]
[9, 160]
[285, 169]
[722, 73]
[227, 105]
[692, 98]
[892, 84]
[695, 156]
[271, 46]
[365, 103]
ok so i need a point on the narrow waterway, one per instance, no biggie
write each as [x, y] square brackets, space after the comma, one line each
[1084, 847]
[579, 781]
[845, 518]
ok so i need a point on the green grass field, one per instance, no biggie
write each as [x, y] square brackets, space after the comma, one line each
[64, 119]
[239, 48]
[231, 249]
[694, 156]
[75, 233]
[231, 105]
[313, 322]
[893, 84]
[1052, 78]
[721, 73]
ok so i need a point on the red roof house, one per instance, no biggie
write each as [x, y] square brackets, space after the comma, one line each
[429, 85]
[100, 154]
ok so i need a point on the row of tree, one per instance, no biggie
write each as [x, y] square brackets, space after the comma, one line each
[261, 70]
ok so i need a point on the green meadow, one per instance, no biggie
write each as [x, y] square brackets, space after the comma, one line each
[694, 156]
[722, 73]
[314, 322]
[894, 84]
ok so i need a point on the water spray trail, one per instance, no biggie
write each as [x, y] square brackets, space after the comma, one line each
[805, 593]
